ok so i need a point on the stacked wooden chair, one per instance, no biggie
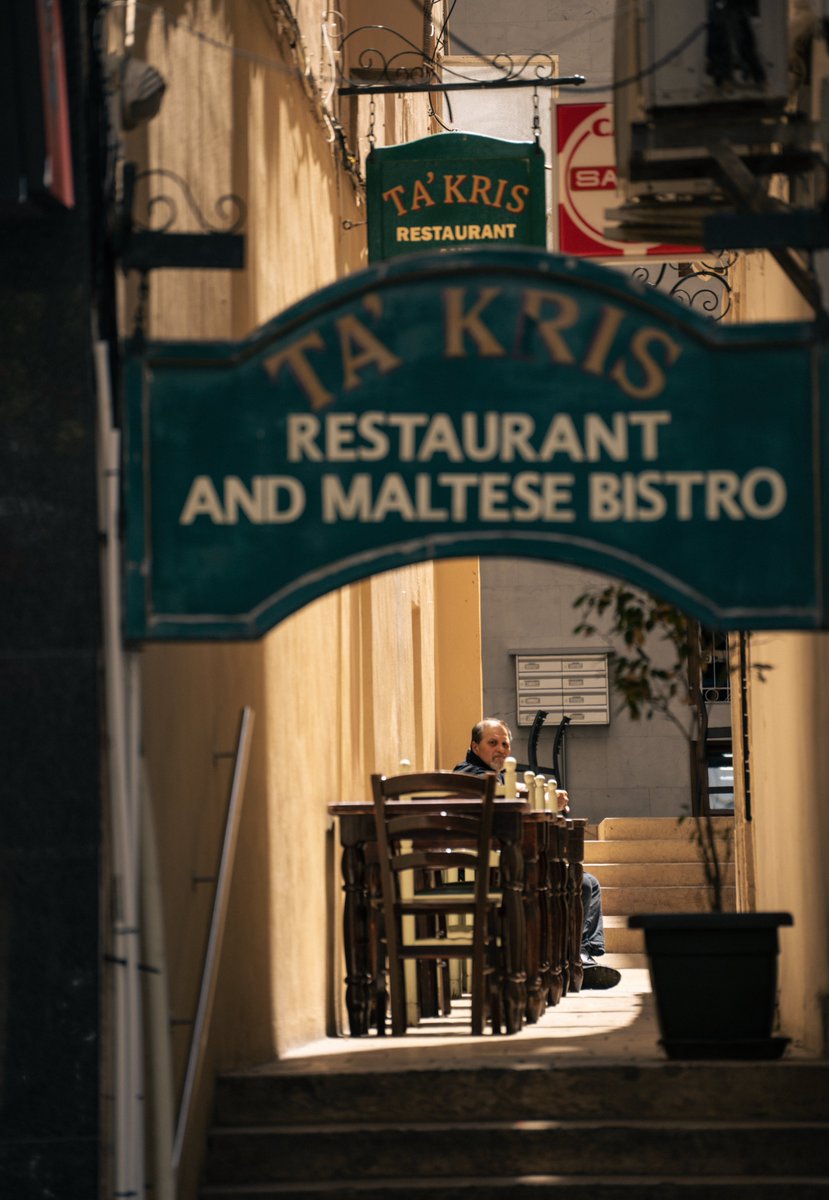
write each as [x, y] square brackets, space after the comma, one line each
[446, 838]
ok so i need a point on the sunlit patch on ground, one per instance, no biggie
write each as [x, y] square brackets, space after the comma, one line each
[616, 1024]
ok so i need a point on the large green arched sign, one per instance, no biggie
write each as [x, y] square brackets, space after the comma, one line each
[478, 402]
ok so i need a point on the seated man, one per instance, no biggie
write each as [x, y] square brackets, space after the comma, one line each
[490, 746]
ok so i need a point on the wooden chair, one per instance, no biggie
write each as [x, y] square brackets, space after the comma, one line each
[439, 840]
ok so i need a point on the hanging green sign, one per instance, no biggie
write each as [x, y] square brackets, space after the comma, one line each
[454, 190]
[495, 402]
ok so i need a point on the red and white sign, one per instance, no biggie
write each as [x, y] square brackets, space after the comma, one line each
[57, 175]
[587, 185]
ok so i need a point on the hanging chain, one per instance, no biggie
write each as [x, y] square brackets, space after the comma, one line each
[141, 308]
[536, 119]
[372, 117]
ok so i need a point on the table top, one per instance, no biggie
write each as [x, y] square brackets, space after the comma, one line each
[345, 808]
[365, 808]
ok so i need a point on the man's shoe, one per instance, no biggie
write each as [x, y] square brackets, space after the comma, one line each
[597, 976]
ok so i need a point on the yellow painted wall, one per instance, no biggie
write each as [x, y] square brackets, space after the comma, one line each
[459, 696]
[385, 669]
[789, 716]
[788, 711]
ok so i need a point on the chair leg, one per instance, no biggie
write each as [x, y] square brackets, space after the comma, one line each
[477, 1013]
[444, 989]
[378, 970]
[397, 984]
[496, 1016]
[478, 987]
[427, 988]
[381, 1001]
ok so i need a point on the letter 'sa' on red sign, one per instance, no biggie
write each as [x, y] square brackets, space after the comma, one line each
[587, 187]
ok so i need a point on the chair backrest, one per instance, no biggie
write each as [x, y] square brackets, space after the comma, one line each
[453, 833]
[450, 837]
[433, 784]
[446, 838]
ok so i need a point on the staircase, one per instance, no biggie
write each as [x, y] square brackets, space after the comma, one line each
[651, 865]
[589, 1130]
[531, 1122]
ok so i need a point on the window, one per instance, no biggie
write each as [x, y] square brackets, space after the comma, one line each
[721, 782]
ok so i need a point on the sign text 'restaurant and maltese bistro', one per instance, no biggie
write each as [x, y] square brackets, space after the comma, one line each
[487, 401]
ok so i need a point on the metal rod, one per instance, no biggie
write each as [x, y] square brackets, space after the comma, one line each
[214, 942]
[161, 1109]
[749, 194]
[128, 1130]
[379, 89]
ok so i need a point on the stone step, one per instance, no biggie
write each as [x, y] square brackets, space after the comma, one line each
[637, 961]
[625, 828]
[536, 1187]
[283, 1132]
[724, 1091]
[447, 1148]
[618, 939]
[655, 874]
[647, 850]
[622, 901]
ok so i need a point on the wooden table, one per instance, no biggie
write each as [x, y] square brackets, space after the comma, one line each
[553, 850]
[356, 822]
[541, 874]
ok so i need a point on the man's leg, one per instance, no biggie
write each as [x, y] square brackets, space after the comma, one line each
[592, 938]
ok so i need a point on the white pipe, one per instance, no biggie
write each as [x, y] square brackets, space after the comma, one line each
[158, 1007]
[129, 24]
[128, 1115]
[132, 688]
[201, 1026]
[332, 61]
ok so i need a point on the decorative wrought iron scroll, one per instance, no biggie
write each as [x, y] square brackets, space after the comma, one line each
[701, 285]
[229, 208]
[411, 69]
[150, 244]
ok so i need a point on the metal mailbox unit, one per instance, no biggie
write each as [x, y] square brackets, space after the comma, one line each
[571, 684]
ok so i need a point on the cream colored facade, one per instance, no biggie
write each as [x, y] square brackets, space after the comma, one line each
[784, 848]
[380, 671]
[389, 668]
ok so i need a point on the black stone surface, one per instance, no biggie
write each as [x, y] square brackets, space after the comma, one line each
[50, 691]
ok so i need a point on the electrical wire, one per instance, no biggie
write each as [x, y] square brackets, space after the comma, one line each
[295, 72]
[585, 26]
[332, 53]
[183, 26]
[680, 47]
[440, 39]
[613, 86]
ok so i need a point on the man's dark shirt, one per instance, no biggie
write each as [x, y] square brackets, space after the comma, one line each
[473, 765]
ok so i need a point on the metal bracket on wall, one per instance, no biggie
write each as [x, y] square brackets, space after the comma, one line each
[139, 248]
[403, 66]
[750, 195]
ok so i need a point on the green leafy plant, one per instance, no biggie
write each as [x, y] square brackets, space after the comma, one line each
[655, 669]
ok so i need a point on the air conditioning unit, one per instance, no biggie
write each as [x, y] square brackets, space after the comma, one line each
[722, 54]
[690, 78]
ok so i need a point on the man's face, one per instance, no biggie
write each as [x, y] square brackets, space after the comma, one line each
[493, 747]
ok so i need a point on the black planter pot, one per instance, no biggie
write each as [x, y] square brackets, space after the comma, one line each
[714, 979]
